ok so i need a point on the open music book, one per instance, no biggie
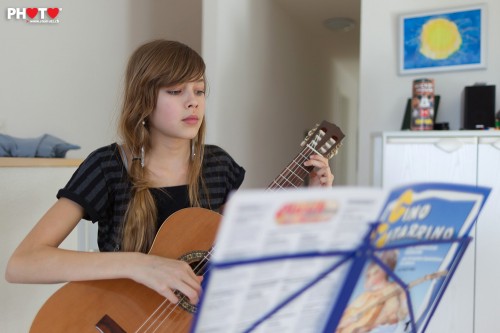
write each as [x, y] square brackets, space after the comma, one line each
[337, 260]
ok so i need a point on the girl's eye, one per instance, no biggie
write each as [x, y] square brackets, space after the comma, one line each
[173, 92]
[200, 92]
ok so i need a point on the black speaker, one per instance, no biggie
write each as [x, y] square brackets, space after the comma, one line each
[479, 107]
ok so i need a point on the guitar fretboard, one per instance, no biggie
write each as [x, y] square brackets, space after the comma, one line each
[295, 173]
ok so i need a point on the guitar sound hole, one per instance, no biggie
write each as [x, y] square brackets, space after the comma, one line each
[199, 267]
[198, 260]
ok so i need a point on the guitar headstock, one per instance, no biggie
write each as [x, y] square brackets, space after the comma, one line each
[326, 138]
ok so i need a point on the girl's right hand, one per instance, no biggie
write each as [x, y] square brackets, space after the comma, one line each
[39, 260]
[167, 275]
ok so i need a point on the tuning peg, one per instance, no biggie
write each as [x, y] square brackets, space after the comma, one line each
[306, 139]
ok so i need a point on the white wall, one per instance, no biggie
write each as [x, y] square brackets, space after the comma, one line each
[65, 79]
[268, 84]
[383, 93]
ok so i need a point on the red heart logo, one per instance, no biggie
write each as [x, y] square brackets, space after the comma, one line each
[53, 12]
[32, 12]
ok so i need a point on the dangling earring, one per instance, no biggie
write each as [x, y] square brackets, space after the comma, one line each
[142, 157]
[192, 150]
[142, 147]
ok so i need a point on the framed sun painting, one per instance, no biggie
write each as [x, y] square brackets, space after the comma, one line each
[443, 40]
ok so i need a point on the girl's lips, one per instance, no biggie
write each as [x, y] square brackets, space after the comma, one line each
[191, 120]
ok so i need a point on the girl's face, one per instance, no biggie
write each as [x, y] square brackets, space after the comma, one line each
[179, 111]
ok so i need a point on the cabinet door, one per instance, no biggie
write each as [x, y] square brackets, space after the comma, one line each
[409, 160]
[487, 238]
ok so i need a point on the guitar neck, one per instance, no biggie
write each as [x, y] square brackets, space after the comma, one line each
[295, 173]
[324, 140]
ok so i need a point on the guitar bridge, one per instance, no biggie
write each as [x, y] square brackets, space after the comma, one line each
[108, 325]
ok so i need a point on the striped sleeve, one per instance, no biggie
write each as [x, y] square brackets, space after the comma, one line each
[222, 175]
[92, 182]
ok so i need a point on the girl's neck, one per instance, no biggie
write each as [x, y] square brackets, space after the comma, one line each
[168, 163]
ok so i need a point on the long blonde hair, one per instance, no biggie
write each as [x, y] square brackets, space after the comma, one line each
[156, 64]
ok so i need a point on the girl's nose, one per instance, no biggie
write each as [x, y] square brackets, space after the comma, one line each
[191, 102]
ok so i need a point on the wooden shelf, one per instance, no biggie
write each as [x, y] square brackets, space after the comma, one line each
[39, 162]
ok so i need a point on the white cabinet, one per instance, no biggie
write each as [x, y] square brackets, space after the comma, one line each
[487, 239]
[467, 157]
[429, 159]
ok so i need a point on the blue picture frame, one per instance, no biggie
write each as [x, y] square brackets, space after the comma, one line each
[443, 40]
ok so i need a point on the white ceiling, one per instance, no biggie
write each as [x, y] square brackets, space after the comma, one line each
[311, 14]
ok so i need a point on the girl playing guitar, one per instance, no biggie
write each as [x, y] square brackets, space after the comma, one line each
[160, 166]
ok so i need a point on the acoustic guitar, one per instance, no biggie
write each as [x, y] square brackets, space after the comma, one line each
[122, 305]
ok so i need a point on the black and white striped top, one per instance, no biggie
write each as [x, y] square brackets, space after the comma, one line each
[102, 187]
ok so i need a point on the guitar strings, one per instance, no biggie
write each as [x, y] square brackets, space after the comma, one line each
[152, 321]
[168, 304]
[295, 171]
[201, 266]
[157, 314]
[290, 170]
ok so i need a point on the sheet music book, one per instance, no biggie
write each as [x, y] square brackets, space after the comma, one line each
[338, 260]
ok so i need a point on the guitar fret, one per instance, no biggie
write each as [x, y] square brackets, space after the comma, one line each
[287, 180]
[304, 156]
[295, 174]
[313, 149]
[300, 165]
[274, 182]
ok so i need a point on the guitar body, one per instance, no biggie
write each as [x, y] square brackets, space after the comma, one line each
[122, 305]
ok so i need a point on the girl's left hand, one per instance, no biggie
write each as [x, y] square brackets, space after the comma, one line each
[321, 175]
